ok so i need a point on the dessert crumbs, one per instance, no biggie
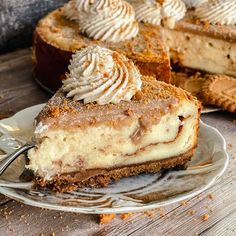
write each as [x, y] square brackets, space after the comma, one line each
[138, 96]
[126, 216]
[55, 29]
[162, 213]
[206, 24]
[129, 112]
[205, 217]
[183, 203]
[191, 212]
[210, 196]
[106, 218]
[149, 214]
[55, 111]
[152, 213]
[197, 22]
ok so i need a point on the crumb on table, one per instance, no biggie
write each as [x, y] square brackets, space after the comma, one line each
[125, 216]
[210, 196]
[205, 217]
[106, 218]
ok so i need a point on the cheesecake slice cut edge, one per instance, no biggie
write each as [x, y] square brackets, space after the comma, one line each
[202, 46]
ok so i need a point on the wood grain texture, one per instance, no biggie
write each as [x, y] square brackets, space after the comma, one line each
[4, 200]
[18, 19]
[18, 90]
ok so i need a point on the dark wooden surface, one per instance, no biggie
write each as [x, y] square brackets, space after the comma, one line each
[18, 19]
[18, 91]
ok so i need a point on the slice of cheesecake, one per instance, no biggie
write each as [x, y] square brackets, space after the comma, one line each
[88, 139]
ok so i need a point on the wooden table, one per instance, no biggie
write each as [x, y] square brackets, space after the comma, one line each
[18, 91]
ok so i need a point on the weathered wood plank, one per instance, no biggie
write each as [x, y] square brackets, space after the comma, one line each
[185, 218]
[18, 91]
[19, 219]
[18, 19]
[224, 227]
[4, 200]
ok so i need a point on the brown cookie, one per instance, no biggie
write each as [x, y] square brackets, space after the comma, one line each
[191, 83]
[220, 90]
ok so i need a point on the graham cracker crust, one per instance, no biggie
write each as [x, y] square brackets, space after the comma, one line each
[103, 177]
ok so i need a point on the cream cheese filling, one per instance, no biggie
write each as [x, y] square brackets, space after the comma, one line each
[201, 52]
[62, 151]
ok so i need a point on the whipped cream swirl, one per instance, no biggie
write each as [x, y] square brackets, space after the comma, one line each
[100, 75]
[218, 11]
[153, 11]
[106, 20]
[194, 3]
[148, 11]
[172, 11]
[71, 10]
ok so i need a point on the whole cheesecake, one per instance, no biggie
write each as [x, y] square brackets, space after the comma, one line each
[108, 121]
[74, 26]
[200, 35]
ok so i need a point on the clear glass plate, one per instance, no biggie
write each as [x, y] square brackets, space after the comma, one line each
[138, 193]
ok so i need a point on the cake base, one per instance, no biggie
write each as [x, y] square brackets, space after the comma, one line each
[102, 177]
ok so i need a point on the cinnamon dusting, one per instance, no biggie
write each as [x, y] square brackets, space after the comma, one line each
[55, 111]
[155, 100]
[138, 96]
[206, 24]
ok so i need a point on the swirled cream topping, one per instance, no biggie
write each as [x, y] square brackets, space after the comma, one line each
[153, 11]
[106, 20]
[218, 11]
[194, 3]
[100, 75]
[173, 11]
[147, 11]
[71, 10]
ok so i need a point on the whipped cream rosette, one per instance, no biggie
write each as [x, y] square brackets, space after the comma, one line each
[172, 11]
[148, 11]
[106, 20]
[218, 12]
[152, 11]
[194, 3]
[100, 75]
